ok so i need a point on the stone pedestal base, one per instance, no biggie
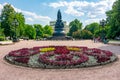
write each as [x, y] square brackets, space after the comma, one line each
[60, 38]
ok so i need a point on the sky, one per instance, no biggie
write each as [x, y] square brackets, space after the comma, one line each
[44, 11]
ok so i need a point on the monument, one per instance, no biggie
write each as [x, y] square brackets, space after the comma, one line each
[59, 26]
[59, 33]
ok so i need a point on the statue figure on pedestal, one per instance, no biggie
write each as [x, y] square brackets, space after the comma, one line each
[59, 33]
[59, 26]
[59, 23]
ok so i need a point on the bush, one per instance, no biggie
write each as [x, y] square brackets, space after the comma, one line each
[76, 35]
[86, 34]
[2, 38]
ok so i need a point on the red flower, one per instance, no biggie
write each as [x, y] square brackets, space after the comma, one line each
[22, 60]
[61, 56]
[61, 50]
[108, 53]
[102, 59]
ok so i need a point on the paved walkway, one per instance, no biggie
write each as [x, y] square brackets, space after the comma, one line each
[13, 72]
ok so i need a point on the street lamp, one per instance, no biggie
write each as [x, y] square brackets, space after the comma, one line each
[15, 24]
[102, 23]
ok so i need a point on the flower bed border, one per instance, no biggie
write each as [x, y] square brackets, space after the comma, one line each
[58, 67]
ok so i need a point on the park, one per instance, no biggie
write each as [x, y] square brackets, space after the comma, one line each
[59, 51]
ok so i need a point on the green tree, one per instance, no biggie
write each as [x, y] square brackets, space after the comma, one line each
[39, 30]
[2, 36]
[7, 16]
[48, 31]
[113, 19]
[74, 26]
[1, 32]
[77, 23]
[92, 27]
[19, 28]
[30, 31]
[102, 31]
[21, 20]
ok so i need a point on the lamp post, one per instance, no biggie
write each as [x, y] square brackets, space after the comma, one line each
[15, 24]
[102, 23]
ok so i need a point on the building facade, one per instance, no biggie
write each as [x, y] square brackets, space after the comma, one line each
[66, 27]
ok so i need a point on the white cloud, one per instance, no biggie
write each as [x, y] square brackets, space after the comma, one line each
[1, 6]
[88, 21]
[92, 11]
[59, 4]
[87, 11]
[31, 17]
[91, 15]
[80, 7]
[72, 11]
[35, 16]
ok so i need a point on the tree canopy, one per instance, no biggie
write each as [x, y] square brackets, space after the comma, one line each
[30, 31]
[113, 19]
[75, 25]
[48, 31]
[92, 27]
[8, 15]
[39, 30]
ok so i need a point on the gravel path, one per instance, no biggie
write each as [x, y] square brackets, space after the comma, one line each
[13, 72]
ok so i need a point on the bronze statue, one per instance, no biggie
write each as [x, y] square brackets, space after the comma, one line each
[59, 17]
[59, 33]
[59, 24]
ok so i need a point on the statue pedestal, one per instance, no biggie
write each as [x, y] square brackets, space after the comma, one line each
[59, 33]
[60, 38]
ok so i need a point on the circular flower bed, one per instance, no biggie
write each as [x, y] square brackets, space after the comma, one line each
[60, 57]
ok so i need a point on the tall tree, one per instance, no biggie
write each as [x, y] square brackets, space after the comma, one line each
[77, 23]
[7, 16]
[1, 32]
[113, 19]
[92, 27]
[39, 30]
[74, 26]
[29, 31]
[21, 20]
[48, 31]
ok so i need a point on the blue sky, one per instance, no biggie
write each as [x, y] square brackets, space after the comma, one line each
[43, 11]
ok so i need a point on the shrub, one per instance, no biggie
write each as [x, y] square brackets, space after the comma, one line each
[2, 38]
[86, 34]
